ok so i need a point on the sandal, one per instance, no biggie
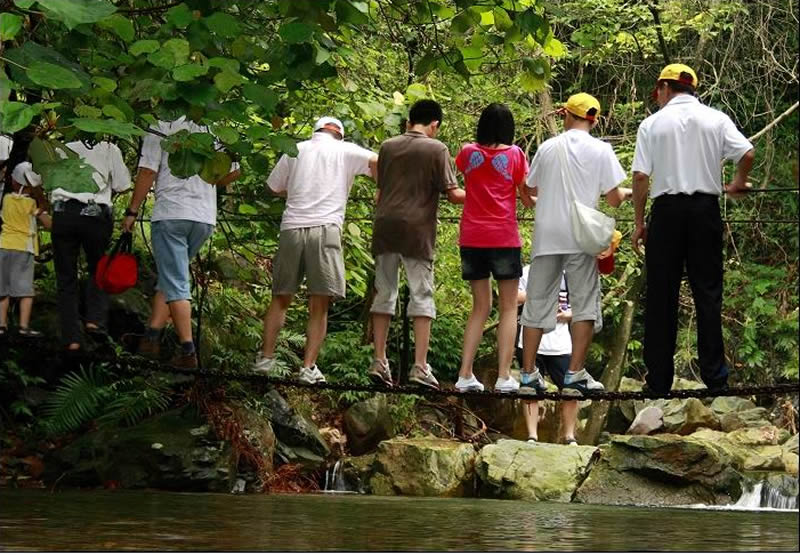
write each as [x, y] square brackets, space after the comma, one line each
[29, 333]
[570, 441]
[532, 439]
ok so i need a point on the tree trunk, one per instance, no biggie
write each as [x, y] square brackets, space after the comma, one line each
[548, 116]
[615, 367]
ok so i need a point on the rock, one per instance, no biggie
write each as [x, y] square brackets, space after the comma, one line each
[725, 405]
[663, 469]
[792, 444]
[647, 421]
[764, 435]
[336, 440]
[357, 471]
[750, 449]
[297, 434]
[175, 450]
[682, 383]
[747, 418]
[513, 469]
[367, 423]
[301, 456]
[684, 416]
[790, 462]
[627, 408]
[423, 467]
[256, 430]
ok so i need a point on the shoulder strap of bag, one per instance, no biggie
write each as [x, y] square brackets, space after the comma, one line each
[566, 170]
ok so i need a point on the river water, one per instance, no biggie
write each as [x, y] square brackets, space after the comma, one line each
[35, 520]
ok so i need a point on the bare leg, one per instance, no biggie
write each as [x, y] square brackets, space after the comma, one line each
[181, 312]
[569, 417]
[25, 308]
[507, 329]
[380, 333]
[531, 412]
[4, 302]
[531, 337]
[317, 327]
[273, 322]
[422, 339]
[481, 304]
[160, 312]
[582, 333]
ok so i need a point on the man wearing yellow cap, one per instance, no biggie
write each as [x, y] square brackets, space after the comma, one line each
[679, 151]
[571, 166]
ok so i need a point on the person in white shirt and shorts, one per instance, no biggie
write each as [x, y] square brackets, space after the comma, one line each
[596, 171]
[316, 184]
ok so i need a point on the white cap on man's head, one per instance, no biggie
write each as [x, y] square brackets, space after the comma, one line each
[322, 122]
[24, 175]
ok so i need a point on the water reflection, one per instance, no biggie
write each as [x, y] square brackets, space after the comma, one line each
[92, 520]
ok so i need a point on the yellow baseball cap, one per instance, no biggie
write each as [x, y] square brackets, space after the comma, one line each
[583, 105]
[680, 73]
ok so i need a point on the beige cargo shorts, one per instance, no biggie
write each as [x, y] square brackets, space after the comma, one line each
[311, 252]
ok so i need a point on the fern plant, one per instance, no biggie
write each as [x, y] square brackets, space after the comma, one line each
[94, 393]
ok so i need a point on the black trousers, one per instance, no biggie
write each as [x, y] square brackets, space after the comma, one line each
[684, 230]
[72, 232]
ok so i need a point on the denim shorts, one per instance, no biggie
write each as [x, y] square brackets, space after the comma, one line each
[175, 243]
[502, 263]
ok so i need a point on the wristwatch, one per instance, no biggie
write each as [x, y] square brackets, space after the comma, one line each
[130, 212]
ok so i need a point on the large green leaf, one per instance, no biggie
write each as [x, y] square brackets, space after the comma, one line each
[147, 46]
[10, 24]
[162, 58]
[108, 127]
[284, 144]
[179, 48]
[226, 80]
[120, 25]
[224, 25]
[185, 163]
[262, 96]
[296, 32]
[188, 72]
[30, 52]
[71, 174]
[51, 76]
[216, 167]
[180, 16]
[15, 116]
[75, 12]
[535, 75]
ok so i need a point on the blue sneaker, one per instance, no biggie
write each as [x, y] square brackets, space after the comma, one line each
[580, 383]
[532, 380]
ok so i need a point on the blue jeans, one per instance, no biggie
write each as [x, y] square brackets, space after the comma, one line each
[175, 243]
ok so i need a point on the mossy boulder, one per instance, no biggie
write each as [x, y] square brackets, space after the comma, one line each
[791, 444]
[423, 467]
[513, 469]
[175, 450]
[367, 423]
[747, 418]
[750, 449]
[666, 469]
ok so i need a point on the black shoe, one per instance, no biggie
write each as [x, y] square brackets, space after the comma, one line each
[651, 393]
[717, 388]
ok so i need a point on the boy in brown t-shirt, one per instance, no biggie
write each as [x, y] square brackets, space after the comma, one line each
[414, 169]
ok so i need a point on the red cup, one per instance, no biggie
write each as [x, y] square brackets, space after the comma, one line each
[606, 265]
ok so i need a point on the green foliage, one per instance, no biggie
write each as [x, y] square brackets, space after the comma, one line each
[95, 393]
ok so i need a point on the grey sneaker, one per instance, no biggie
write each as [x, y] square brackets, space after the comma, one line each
[578, 384]
[380, 372]
[532, 381]
[310, 375]
[423, 376]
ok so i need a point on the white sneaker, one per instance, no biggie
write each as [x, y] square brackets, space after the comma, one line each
[264, 365]
[469, 384]
[509, 385]
[310, 375]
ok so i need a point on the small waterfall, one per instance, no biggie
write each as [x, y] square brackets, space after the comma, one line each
[334, 479]
[763, 495]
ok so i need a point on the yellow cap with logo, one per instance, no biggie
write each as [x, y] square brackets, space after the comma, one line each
[583, 105]
[680, 73]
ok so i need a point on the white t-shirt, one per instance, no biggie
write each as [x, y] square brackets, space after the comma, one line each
[318, 180]
[597, 170]
[558, 341]
[683, 145]
[110, 174]
[177, 198]
[5, 147]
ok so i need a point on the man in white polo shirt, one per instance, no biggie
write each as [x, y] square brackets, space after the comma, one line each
[679, 149]
[316, 184]
[572, 161]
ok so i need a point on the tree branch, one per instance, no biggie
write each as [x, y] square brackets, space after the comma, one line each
[774, 122]
[657, 19]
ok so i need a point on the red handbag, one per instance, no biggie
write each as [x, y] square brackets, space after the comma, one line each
[118, 270]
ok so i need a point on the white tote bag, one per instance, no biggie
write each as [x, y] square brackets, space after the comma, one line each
[592, 229]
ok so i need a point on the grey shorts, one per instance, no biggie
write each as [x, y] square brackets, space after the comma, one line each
[544, 282]
[420, 284]
[311, 252]
[16, 273]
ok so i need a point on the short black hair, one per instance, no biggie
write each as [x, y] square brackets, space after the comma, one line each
[678, 86]
[425, 111]
[496, 125]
